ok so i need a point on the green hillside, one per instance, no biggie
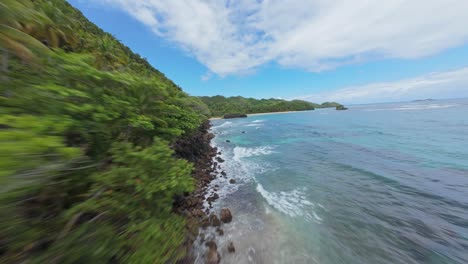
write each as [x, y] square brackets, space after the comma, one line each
[86, 171]
[220, 105]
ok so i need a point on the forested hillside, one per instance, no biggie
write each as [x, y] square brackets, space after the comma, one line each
[86, 171]
[220, 105]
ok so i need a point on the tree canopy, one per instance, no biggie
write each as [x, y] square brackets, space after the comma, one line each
[220, 105]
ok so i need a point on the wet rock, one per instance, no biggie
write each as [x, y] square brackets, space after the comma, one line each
[231, 248]
[220, 231]
[243, 132]
[214, 220]
[197, 213]
[205, 222]
[232, 181]
[211, 245]
[223, 173]
[213, 198]
[228, 141]
[225, 215]
[219, 159]
[213, 257]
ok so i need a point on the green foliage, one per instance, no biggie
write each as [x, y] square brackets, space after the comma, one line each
[220, 105]
[330, 104]
[86, 172]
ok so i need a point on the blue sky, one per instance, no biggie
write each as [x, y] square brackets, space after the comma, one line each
[361, 53]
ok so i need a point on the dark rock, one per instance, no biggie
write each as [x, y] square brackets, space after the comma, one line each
[223, 173]
[214, 220]
[213, 257]
[238, 115]
[220, 231]
[228, 141]
[231, 248]
[243, 132]
[198, 213]
[232, 181]
[211, 245]
[192, 226]
[341, 107]
[213, 198]
[219, 159]
[225, 215]
[205, 222]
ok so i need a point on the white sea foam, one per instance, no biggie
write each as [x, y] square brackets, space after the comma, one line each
[258, 121]
[241, 152]
[254, 125]
[292, 203]
[225, 124]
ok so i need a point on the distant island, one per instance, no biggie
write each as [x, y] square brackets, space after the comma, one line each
[221, 106]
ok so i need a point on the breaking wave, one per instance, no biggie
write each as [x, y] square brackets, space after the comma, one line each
[293, 203]
[241, 152]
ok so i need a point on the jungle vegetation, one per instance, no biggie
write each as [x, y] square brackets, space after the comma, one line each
[87, 174]
[220, 105]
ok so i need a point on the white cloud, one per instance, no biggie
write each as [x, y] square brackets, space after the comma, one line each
[451, 84]
[237, 36]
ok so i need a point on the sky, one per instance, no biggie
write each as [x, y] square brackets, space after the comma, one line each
[360, 51]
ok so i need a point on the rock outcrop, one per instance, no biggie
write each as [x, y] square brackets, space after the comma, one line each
[225, 215]
[228, 116]
[341, 107]
[231, 248]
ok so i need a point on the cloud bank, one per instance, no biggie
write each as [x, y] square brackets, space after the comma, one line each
[451, 84]
[237, 36]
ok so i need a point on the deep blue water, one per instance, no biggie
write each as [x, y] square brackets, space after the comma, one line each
[384, 183]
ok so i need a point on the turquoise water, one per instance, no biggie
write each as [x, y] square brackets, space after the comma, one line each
[384, 183]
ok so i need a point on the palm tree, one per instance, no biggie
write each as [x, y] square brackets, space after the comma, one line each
[28, 29]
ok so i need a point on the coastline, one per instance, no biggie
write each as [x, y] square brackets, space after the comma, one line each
[202, 223]
[267, 113]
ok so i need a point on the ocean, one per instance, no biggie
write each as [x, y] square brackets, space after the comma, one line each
[383, 183]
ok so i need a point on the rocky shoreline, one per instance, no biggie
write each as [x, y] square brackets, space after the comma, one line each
[197, 149]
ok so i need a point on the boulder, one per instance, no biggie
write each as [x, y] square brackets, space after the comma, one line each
[225, 215]
[212, 198]
[232, 181]
[212, 257]
[214, 220]
[220, 231]
[211, 245]
[205, 222]
[231, 248]
[223, 173]
[228, 141]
